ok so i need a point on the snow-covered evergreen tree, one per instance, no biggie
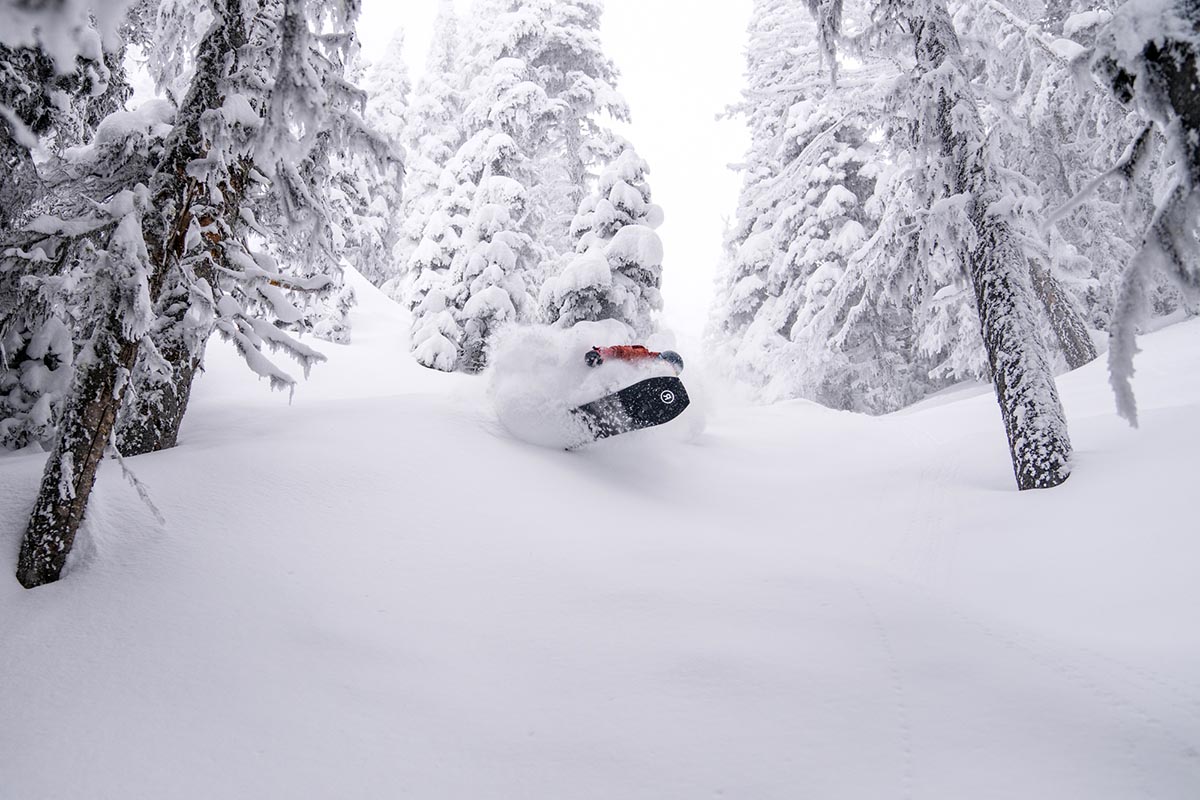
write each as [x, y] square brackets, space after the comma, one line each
[536, 73]
[387, 85]
[433, 134]
[966, 198]
[775, 79]
[1053, 130]
[559, 42]
[616, 269]
[798, 312]
[163, 238]
[494, 266]
[867, 258]
[436, 334]
[52, 111]
[374, 218]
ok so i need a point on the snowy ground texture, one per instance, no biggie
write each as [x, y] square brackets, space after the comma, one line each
[378, 592]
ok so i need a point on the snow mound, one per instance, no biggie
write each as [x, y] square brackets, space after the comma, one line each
[537, 375]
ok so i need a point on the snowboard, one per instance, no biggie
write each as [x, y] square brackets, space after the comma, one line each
[643, 405]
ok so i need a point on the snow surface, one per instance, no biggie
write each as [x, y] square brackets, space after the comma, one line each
[377, 591]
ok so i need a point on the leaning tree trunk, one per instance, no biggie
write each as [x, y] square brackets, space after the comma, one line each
[84, 430]
[150, 422]
[1020, 372]
[91, 410]
[154, 410]
[1073, 339]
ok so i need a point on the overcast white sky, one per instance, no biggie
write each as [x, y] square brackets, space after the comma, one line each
[681, 63]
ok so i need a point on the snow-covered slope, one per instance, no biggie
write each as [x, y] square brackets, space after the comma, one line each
[376, 592]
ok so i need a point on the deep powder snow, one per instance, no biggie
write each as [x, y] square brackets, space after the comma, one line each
[377, 592]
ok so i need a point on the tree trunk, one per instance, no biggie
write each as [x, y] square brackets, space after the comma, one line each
[152, 415]
[1020, 372]
[70, 473]
[151, 421]
[99, 388]
[1072, 335]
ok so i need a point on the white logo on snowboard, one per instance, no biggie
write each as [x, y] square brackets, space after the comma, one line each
[667, 396]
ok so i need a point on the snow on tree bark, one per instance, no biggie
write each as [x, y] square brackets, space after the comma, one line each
[163, 218]
[295, 121]
[1073, 339]
[1029, 404]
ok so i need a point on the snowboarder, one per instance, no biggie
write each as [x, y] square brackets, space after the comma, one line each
[633, 352]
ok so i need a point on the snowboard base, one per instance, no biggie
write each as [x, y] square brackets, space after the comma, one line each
[645, 404]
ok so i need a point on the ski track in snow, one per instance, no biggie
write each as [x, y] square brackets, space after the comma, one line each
[895, 678]
[378, 592]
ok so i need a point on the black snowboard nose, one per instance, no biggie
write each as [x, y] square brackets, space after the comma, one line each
[645, 404]
[654, 401]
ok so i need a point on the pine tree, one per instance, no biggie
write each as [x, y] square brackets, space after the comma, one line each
[537, 74]
[487, 222]
[774, 74]
[297, 219]
[436, 333]
[615, 271]
[491, 271]
[172, 228]
[559, 41]
[866, 261]
[960, 169]
[433, 134]
[800, 312]
[36, 324]
[1054, 130]
[373, 221]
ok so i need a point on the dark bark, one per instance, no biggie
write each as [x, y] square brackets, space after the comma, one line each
[1033, 417]
[154, 411]
[1073, 339]
[99, 388]
[70, 471]
[151, 421]
[1020, 373]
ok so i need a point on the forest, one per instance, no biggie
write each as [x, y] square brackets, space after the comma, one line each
[452, 555]
[932, 194]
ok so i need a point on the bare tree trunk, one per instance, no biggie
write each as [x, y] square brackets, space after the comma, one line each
[1020, 372]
